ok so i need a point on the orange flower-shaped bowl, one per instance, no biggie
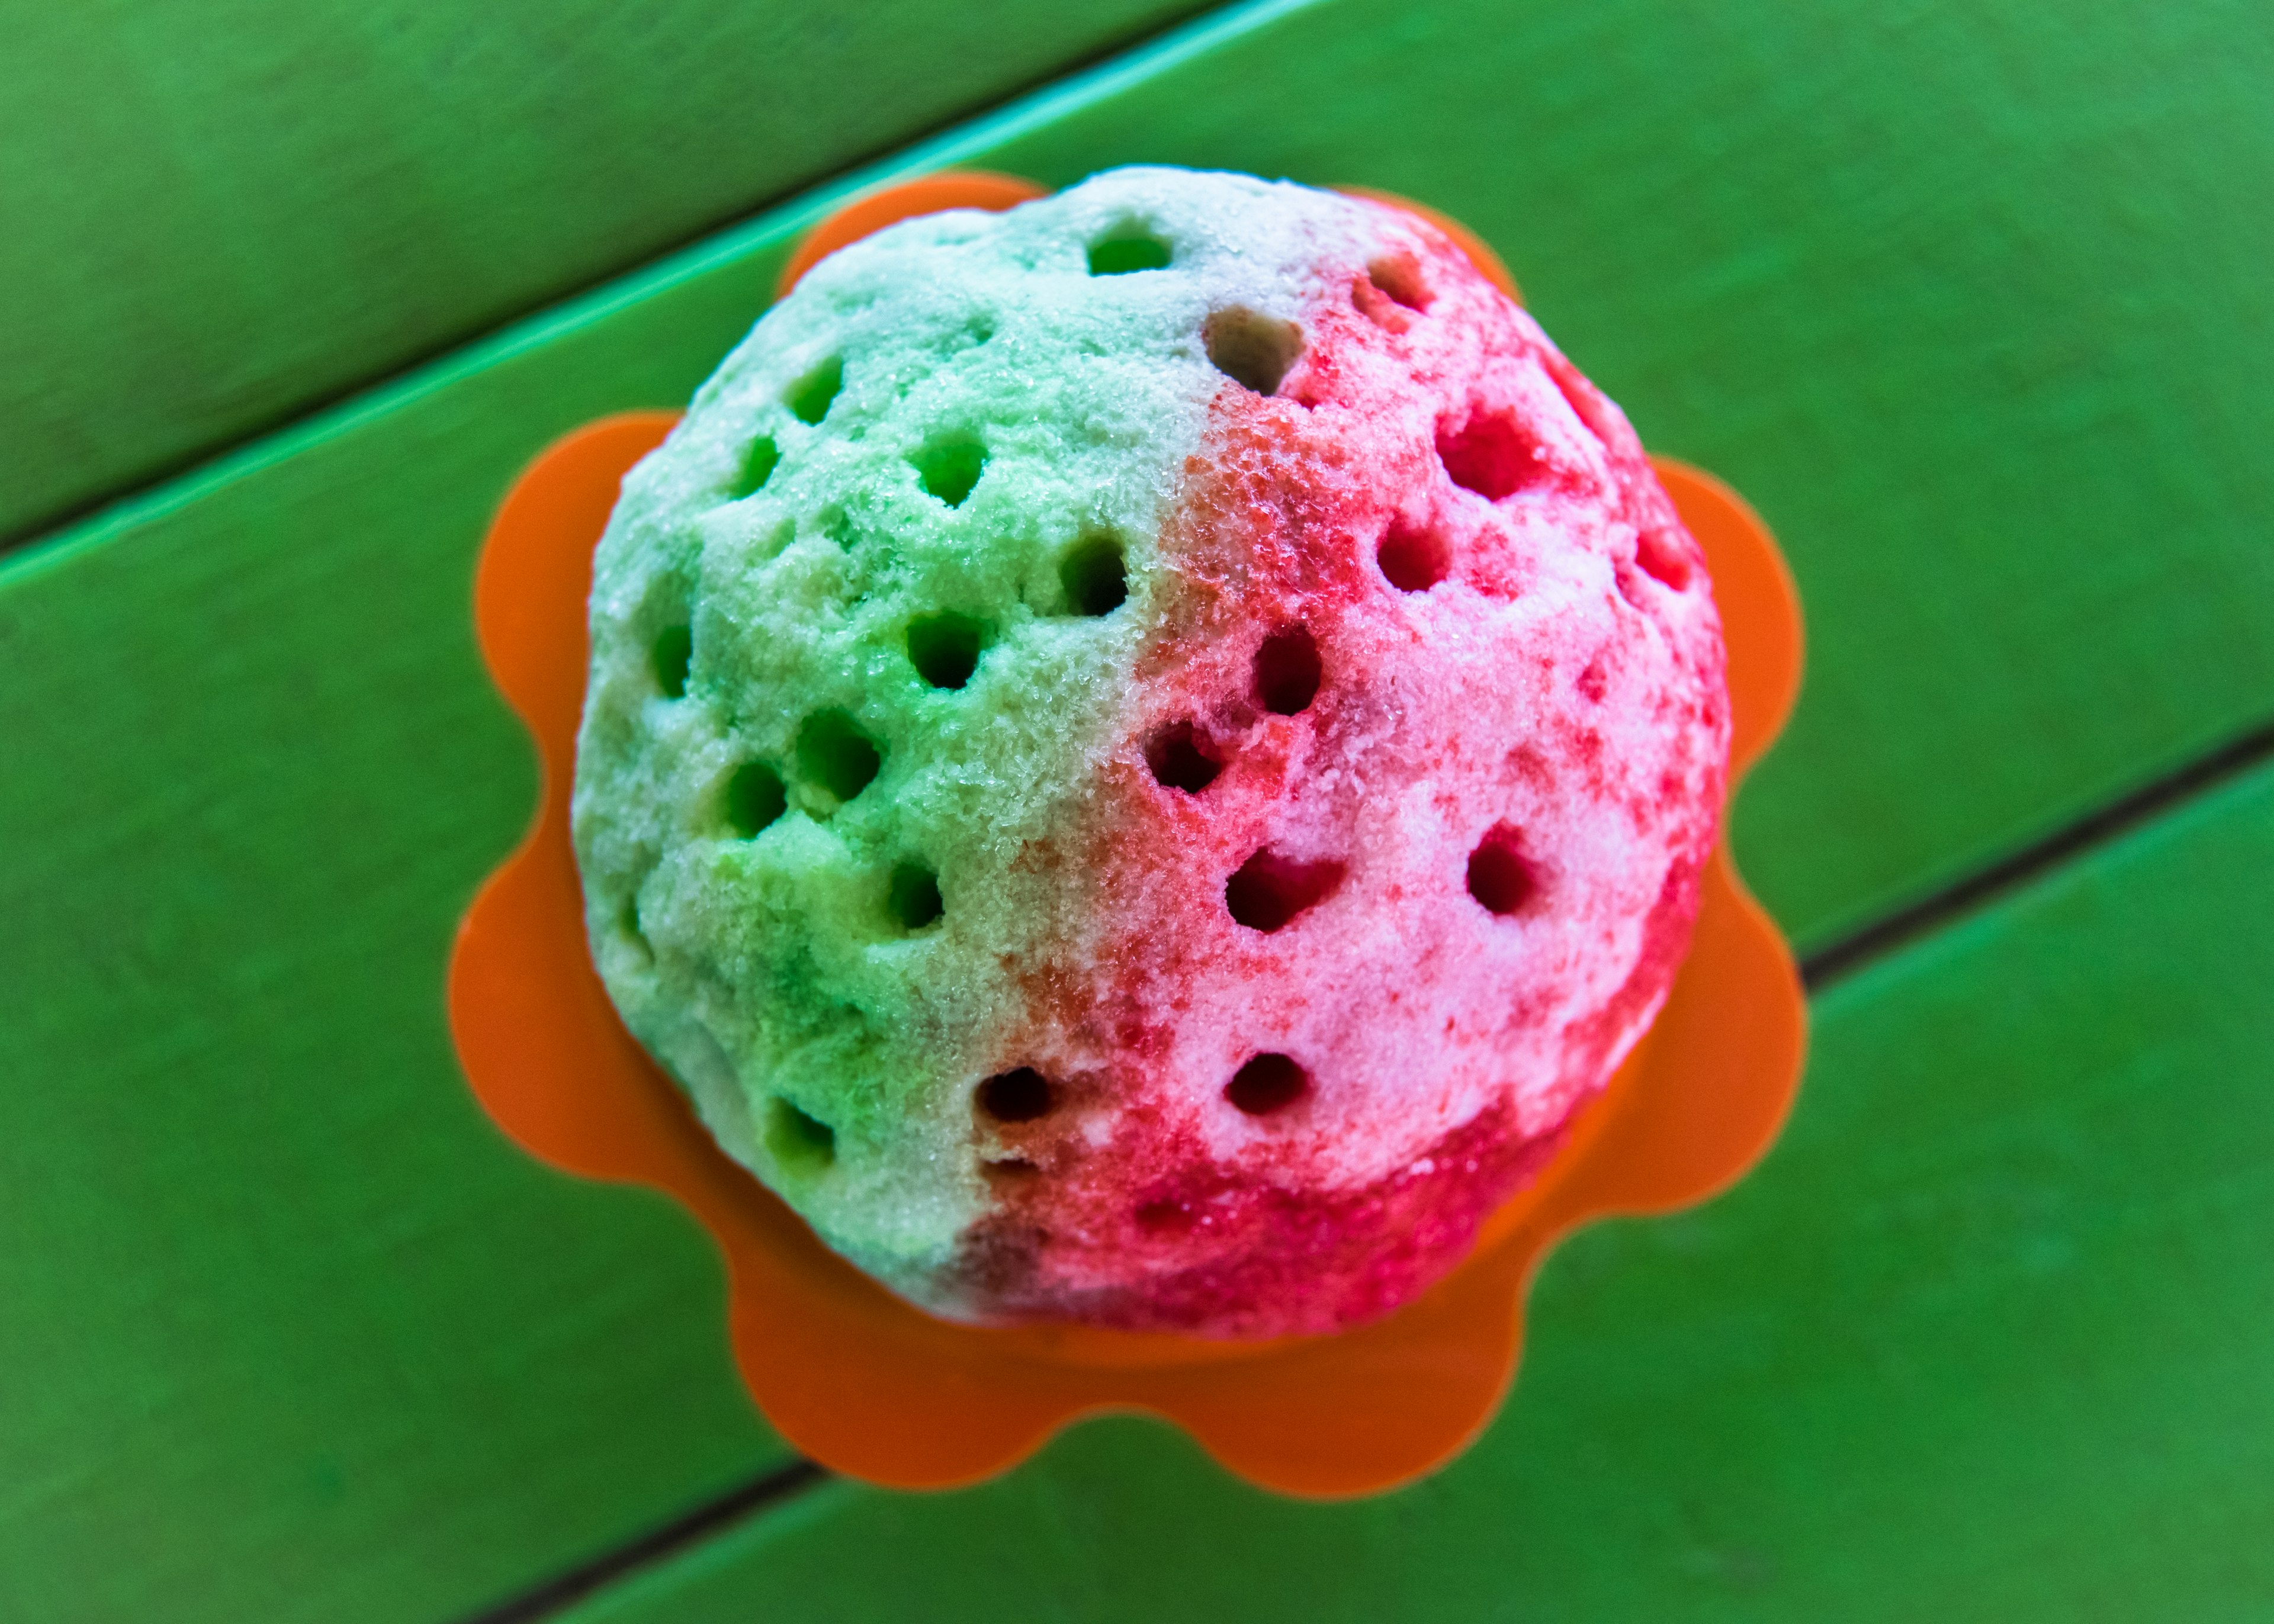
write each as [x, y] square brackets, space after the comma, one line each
[864, 1383]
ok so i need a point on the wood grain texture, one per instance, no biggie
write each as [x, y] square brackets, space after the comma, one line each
[426, 1373]
[217, 215]
[1984, 1340]
[290, 1332]
[2012, 445]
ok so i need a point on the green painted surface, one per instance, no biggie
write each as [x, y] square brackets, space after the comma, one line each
[217, 215]
[1986, 1339]
[290, 1331]
[1971, 309]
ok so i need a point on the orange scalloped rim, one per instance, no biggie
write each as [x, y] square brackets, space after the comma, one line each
[872, 1387]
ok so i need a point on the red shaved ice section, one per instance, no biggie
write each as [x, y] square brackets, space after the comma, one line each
[1444, 661]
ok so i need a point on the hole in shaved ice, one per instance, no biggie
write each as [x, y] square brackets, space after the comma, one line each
[836, 754]
[1500, 875]
[804, 1145]
[671, 655]
[755, 798]
[837, 522]
[1094, 576]
[1252, 349]
[1268, 890]
[1378, 307]
[628, 922]
[1491, 453]
[1413, 559]
[1166, 1217]
[945, 647]
[913, 896]
[948, 468]
[1287, 671]
[1177, 760]
[1267, 1084]
[1018, 1096]
[1126, 249]
[757, 468]
[1010, 1169]
[1400, 277]
[811, 397]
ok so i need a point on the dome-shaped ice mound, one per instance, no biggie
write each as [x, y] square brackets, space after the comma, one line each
[1145, 752]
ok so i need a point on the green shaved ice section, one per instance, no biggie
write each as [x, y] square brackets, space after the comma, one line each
[863, 632]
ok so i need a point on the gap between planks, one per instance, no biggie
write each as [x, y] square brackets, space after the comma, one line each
[1819, 970]
[550, 1598]
[1105, 54]
[2095, 828]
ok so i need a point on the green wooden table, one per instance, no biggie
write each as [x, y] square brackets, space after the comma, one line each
[1973, 307]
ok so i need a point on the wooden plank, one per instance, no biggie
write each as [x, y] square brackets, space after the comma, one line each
[1985, 1339]
[290, 1331]
[1983, 348]
[266, 763]
[218, 215]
